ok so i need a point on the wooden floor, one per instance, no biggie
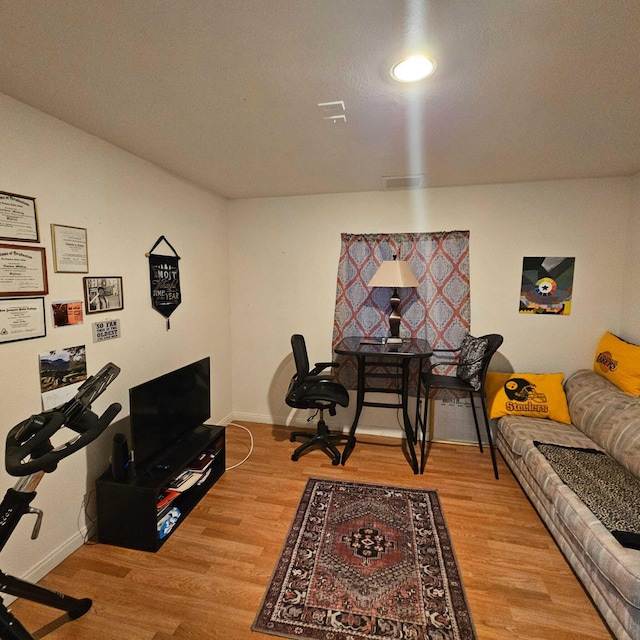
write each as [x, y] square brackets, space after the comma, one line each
[208, 580]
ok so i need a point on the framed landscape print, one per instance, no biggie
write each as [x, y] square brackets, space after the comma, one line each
[103, 294]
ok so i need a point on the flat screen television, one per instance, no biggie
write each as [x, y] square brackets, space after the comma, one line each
[165, 410]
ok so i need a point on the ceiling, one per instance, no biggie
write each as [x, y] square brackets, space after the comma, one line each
[224, 92]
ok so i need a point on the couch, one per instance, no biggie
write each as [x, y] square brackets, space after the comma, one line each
[604, 418]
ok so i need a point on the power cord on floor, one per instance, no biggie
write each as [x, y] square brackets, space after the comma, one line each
[234, 424]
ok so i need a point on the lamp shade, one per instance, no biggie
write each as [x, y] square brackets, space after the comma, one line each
[393, 273]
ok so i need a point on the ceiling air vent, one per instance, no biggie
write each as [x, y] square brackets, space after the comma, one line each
[404, 182]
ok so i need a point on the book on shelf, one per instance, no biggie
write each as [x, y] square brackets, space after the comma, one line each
[203, 461]
[166, 498]
[185, 480]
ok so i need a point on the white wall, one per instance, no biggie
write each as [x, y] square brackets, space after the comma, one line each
[271, 263]
[630, 325]
[284, 255]
[125, 204]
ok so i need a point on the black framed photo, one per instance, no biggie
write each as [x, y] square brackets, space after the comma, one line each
[103, 294]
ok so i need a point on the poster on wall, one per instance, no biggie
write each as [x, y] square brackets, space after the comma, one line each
[547, 285]
[61, 373]
[67, 313]
[164, 279]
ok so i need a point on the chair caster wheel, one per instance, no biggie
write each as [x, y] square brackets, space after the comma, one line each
[292, 438]
[335, 462]
[294, 457]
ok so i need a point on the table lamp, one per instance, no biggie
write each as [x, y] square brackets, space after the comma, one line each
[394, 273]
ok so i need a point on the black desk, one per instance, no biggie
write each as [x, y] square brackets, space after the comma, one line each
[393, 356]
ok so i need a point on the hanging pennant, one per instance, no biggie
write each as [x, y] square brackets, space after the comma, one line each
[164, 277]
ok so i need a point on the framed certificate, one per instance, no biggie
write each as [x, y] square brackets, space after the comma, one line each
[69, 249]
[22, 319]
[23, 271]
[18, 218]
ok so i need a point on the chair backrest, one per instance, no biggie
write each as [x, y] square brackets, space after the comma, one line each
[494, 341]
[300, 356]
[475, 356]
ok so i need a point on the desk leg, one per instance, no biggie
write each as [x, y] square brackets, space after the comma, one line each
[351, 442]
[408, 429]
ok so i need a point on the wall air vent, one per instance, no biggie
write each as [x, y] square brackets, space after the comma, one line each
[404, 182]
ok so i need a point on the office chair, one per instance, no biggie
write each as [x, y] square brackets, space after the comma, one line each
[310, 390]
[470, 372]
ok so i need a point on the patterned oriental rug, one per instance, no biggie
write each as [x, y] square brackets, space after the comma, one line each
[366, 561]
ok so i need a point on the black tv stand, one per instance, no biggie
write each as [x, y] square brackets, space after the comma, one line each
[128, 514]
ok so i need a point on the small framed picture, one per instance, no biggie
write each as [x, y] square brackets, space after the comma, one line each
[69, 249]
[103, 294]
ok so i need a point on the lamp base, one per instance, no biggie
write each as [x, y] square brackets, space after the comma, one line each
[393, 340]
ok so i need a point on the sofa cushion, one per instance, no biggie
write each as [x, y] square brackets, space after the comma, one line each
[606, 415]
[623, 442]
[537, 395]
[619, 362]
[519, 432]
[619, 566]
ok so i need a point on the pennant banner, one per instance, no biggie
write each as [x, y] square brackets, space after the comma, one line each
[164, 276]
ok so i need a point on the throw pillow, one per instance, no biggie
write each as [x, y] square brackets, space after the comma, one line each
[471, 349]
[619, 362]
[537, 395]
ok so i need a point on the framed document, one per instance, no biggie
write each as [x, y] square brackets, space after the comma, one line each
[22, 319]
[103, 294]
[23, 271]
[69, 249]
[18, 218]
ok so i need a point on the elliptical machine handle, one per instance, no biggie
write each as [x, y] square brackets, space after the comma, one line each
[44, 457]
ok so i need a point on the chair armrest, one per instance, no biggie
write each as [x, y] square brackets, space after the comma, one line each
[453, 363]
[448, 350]
[314, 378]
[321, 366]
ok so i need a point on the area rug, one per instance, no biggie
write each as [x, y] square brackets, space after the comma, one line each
[610, 492]
[366, 561]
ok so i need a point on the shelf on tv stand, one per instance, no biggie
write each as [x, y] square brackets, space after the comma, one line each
[127, 513]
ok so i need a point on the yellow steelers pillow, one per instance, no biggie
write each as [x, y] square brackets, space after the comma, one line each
[619, 362]
[538, 395]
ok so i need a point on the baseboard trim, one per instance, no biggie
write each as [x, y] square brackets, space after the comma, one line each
[363, 429]
[52, 560]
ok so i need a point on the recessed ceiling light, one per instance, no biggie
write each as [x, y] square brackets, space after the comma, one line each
[413, 69]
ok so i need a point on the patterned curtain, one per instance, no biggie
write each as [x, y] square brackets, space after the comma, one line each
[438, 310]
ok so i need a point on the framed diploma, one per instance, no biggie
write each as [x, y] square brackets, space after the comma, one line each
[69, 249]
[23, 271]
[22, 319]
[18, 218]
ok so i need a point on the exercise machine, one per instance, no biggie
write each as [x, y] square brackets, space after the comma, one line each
[29, 455]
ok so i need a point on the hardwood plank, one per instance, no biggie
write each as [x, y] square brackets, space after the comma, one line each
[208, 580]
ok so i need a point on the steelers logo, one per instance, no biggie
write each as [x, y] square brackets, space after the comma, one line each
[546, 287]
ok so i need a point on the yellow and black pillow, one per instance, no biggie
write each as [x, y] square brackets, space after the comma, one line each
[537, 395]
[619, 362]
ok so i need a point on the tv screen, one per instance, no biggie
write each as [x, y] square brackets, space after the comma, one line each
[166, 409]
